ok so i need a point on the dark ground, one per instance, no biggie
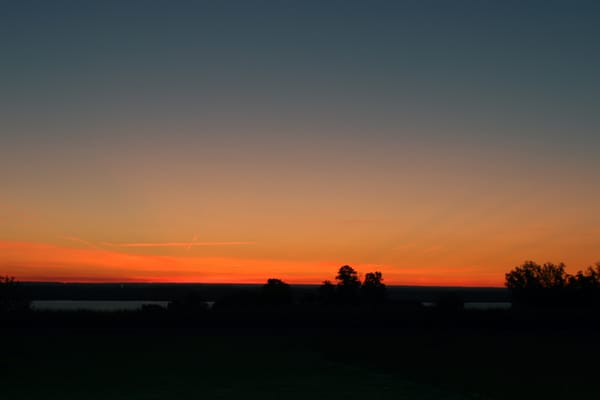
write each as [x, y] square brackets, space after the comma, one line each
[417, 354]
[170, 291]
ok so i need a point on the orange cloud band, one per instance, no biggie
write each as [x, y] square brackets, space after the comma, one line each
[31, 261]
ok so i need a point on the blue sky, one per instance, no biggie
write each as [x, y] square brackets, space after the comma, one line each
[416, 113]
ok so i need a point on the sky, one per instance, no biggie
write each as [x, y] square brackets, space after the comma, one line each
[439, 142]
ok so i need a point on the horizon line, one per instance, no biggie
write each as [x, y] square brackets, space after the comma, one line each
[108, 282]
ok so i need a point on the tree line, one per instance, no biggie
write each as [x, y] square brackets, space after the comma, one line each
[531, 284]
[549, 285]
[348, 290]
[12, 296]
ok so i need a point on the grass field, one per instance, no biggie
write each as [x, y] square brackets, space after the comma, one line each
[170, 366]
[126, 367]
[300, 354]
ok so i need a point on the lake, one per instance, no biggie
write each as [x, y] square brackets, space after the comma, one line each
[94, 305]
[479, 305]
[132, 305]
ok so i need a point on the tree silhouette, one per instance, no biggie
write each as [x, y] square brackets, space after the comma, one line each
[12, 296]
[348, 286]
[535, 284]
[584, 286]
[530, 276]
[347, 277]
[373, 290]
[586, 280]
[326, 294]
[276, 292]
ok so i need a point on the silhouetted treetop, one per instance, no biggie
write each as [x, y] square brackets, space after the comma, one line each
[276, 292]
[549, 285]
[373, 289]
[348, 286]
[373, 279]
[326, 293]
[12, 295]
[586, 280]
[530, 276]
[273, 282]
[347, 277]
[328, 284]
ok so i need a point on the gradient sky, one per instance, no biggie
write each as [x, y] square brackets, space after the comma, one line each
[440, 142]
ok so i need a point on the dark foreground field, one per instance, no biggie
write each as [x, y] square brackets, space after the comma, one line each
[192, 367]
[434, 360]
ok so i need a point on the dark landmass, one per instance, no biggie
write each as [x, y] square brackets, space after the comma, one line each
[297, 353]
[214, 292]
[276, 341]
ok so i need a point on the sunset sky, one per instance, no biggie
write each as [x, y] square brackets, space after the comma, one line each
[440, 142]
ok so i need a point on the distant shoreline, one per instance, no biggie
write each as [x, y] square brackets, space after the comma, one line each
[210, 291]
[129, 283]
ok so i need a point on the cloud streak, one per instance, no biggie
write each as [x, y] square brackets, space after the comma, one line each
[34, 261]
[80, 241]
[177, 244]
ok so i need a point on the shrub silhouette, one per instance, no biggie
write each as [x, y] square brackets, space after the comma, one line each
[348, 286]
[373, 290]
[326, 294]
[12, 296]
[588, 279]
[530, 275]
[584, 287]
[538, 285]
[350, 291]
[276, 293]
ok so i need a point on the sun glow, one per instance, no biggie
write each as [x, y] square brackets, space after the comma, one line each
[44, 262]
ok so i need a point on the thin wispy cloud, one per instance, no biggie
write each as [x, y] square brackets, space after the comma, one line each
[194, 239]
[81, 241]
[36, 261]
[177, 244]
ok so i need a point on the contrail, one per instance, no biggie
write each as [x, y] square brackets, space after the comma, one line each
[79, 240]
[178, 244]
[192, 242]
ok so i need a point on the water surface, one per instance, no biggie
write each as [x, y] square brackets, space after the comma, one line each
[94, 305]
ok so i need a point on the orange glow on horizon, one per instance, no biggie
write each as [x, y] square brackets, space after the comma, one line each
[38, 262]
